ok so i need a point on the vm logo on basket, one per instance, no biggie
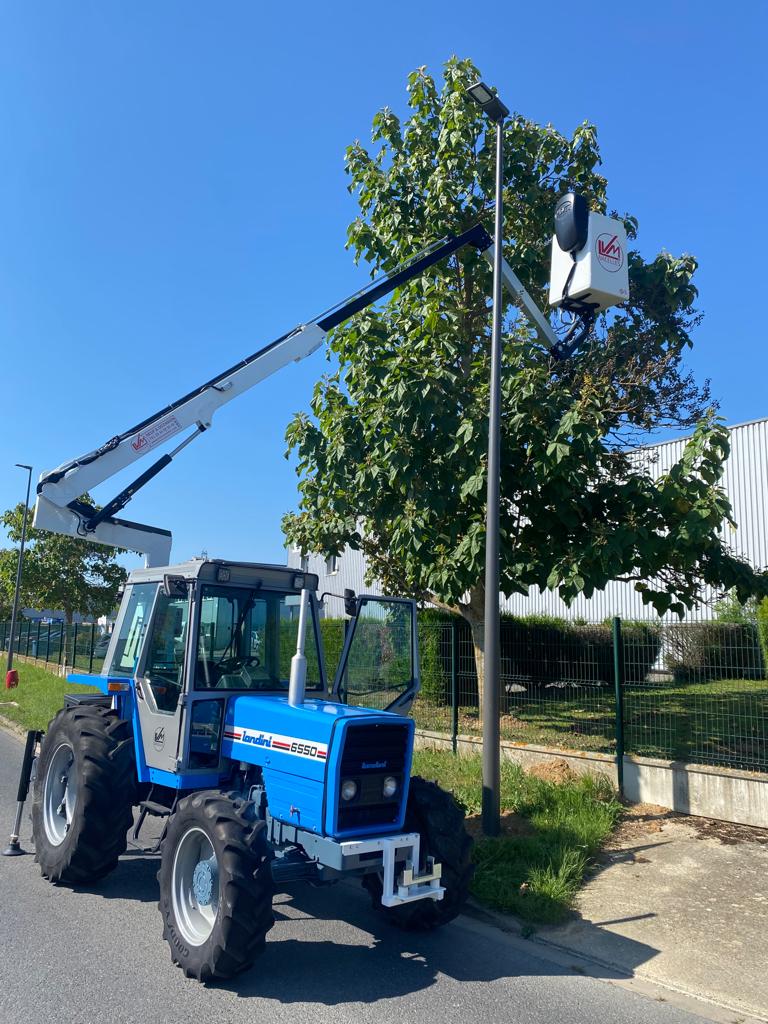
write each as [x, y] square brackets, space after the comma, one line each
[608, 251]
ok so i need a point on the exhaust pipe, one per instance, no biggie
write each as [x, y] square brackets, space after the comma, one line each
[298, 681]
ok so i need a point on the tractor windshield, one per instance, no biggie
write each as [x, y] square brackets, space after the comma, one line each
[246, 639]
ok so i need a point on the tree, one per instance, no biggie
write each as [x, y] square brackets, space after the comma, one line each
[393, 460]
[60, 572]
[8, 563]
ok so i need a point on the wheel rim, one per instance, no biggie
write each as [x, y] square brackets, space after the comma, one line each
[195, 886]
[60, 796]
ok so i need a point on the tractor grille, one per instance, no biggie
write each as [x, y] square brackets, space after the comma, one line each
[371, 753]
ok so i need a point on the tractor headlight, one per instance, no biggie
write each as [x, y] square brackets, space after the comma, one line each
[348, 789]
[390, 786]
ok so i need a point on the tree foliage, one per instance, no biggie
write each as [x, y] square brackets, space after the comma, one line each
[60, 573]
[393, 458]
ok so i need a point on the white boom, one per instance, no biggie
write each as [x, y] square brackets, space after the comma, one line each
[58, 507]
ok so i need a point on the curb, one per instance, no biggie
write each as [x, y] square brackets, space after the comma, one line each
[594, 967]
[12, 728]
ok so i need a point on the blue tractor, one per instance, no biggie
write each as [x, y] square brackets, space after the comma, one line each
[216, 714]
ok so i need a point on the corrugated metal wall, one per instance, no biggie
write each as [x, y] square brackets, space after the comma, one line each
[745, 481]
[350, 573]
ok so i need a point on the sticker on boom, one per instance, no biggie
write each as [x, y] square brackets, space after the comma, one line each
[284, 744]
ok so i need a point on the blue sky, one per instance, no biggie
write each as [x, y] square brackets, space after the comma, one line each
[172, 196]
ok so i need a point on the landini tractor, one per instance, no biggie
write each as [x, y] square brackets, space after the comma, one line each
[216, 713]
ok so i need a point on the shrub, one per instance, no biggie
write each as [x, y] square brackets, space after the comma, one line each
[537, 650]
[434, 657]
[697, 651]
[762, 628]
[332, 635]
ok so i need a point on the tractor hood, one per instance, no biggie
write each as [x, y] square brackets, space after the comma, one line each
[305, 753]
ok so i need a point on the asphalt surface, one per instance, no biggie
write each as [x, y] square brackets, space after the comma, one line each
[98, 956]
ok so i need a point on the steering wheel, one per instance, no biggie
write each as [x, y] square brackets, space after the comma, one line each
[234, 664]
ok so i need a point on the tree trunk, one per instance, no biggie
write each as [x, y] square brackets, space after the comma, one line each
[474, 612]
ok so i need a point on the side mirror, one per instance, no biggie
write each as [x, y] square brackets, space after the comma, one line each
[174, 586]
[350, 602]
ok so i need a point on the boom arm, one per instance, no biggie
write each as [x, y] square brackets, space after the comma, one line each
[58, 507]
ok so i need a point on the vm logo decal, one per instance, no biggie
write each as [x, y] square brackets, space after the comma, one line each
[608, 251]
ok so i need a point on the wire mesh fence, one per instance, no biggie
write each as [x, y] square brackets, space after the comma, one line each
[706, 701]
[80, 647]
[692, 692]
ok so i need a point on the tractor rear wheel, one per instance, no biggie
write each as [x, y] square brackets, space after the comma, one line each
[215, 885]
[83, 794]
[439, 820]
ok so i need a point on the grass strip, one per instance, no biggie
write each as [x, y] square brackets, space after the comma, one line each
[552, 831]
[37, 698]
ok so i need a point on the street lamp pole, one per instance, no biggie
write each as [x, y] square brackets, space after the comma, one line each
[11, 678]
[496, 111]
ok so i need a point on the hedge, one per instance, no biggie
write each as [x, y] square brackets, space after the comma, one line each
[762, 628]
[697, 651]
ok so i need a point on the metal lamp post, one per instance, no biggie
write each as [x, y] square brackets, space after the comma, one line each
[496, 111]
[11, 678]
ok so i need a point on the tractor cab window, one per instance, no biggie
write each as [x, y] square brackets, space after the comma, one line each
[132, 628]
[247, 637]
[378, 667]
[164, 667]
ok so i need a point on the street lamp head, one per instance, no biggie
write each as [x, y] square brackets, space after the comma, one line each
[489, 102]
[22, 466]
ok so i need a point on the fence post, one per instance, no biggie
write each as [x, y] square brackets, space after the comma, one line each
[93, 641]
[618, 678]
[74, 648]
[47, 643]
[29, 634]
[454, 687]
[37, 642]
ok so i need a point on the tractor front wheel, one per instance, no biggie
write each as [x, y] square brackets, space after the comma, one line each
[215, 885]
[83, 794]
[439, 820]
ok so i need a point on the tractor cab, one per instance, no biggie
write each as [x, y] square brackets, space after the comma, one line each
[191, 637]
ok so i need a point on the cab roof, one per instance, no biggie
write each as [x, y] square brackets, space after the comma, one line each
[219, 570]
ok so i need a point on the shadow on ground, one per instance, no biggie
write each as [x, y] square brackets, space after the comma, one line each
[374, 961]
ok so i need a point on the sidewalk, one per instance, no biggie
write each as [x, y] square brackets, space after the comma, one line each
[682, 902]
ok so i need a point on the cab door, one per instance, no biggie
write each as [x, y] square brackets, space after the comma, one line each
[379, 665]
[161, 679]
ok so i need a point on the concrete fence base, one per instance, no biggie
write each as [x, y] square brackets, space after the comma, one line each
[50, 666]
[721, 793]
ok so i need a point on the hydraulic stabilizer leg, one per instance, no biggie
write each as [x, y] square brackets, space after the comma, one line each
[33, 738]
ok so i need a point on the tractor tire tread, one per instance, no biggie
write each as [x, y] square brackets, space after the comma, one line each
[439, 819]
[245, 880]
[103, 746]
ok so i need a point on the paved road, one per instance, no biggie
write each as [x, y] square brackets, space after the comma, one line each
[88, 957]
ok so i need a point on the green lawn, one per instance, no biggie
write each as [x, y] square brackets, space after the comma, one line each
[39, 696]
[552, 830]
[722, 721]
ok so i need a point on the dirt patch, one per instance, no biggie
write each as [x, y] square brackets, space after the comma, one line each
[639, 820]
[726, 832]
[512, 825]
[557, 771]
